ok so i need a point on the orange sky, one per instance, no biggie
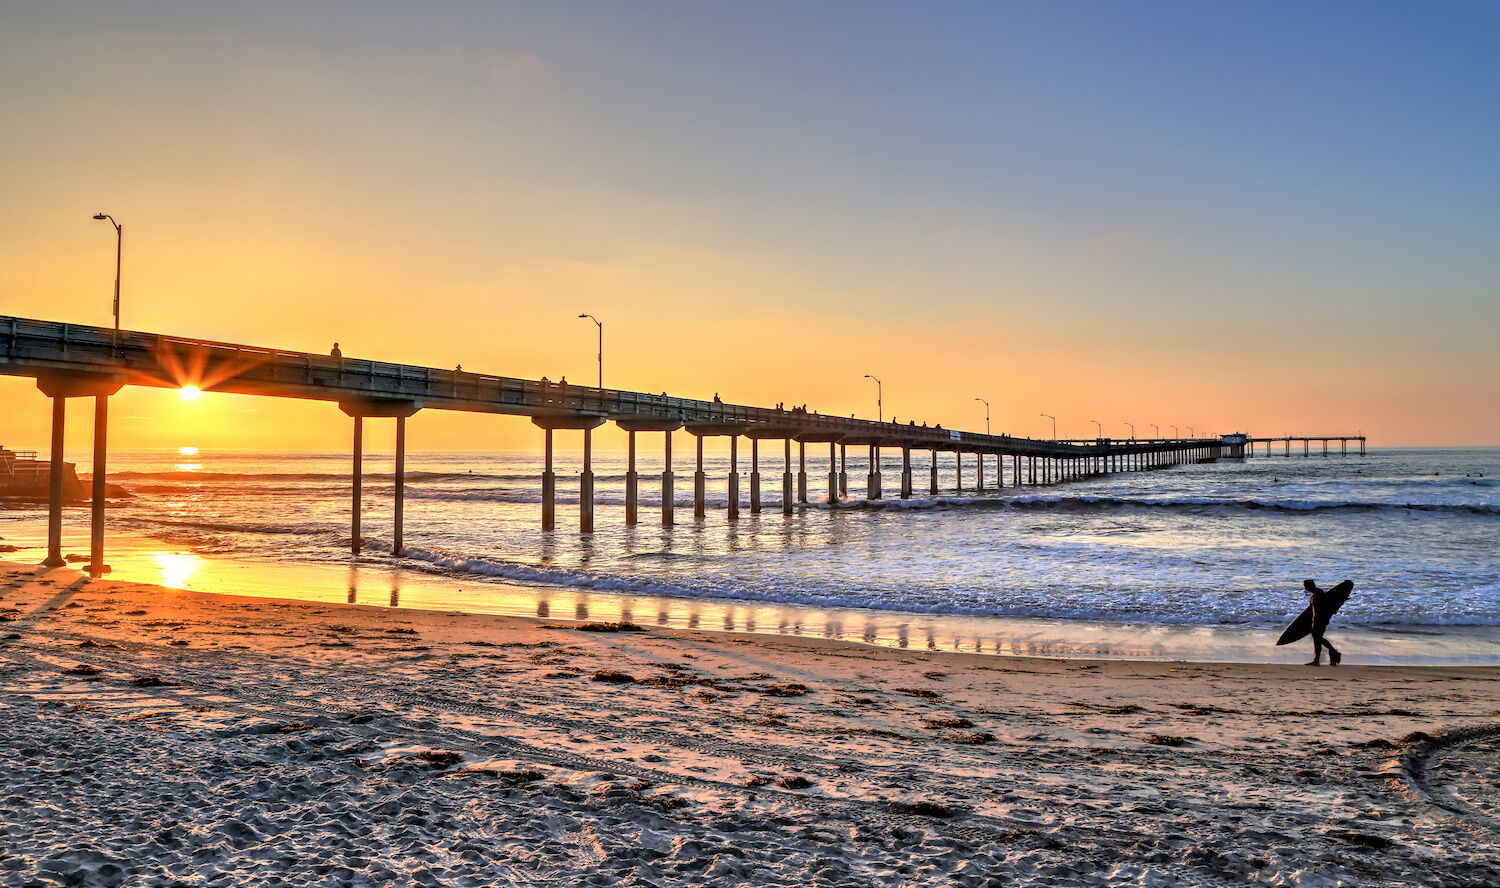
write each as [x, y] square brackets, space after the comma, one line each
[457, 193]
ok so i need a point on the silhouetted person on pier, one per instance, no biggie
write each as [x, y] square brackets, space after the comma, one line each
[336, 353]
[1321, 601]
[717, 399]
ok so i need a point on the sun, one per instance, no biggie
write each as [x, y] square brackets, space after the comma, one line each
[190, 392]
[187, 451]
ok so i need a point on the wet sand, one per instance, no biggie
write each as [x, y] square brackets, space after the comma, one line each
[151, 735]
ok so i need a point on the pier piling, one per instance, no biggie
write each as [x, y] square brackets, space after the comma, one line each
[668, 496]
[397, 544]
[549, 484]
[802, 471]
[632, 484]
[357, 483]
[700, 485]
[97, 567]
[754, 476]
[55, 487]
[586, 485]
[734, 477]
[786, 477]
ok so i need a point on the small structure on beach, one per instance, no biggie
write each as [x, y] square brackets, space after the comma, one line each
[23, 476]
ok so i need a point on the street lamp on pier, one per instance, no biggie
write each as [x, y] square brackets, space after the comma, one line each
[119, 248]
[879, 401]
[1099, 425]
[986, 415]
[1054, 424]
[1132, 428]
[1155, 430]
[600, 325]
[1175, 433]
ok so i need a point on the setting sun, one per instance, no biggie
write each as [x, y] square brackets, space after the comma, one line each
[190, 392]
[187, 451]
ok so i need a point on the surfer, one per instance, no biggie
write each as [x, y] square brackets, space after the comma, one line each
[1323, 606]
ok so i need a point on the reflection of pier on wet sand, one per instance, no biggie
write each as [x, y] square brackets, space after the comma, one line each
[70, 360]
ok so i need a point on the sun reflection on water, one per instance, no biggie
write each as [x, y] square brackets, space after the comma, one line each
[176, 567]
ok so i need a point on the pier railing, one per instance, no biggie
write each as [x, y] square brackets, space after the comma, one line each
[31, 347]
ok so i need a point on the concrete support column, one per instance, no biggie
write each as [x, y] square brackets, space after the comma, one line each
[932, 487]
[958, 470]
[906, 473]
[754, 476]
[400, 506]
[549, 483]
[700, 484]
[1015, 470]
[357, 483]
[97, 567]
[979, 471]
[801, 471]
[843, 470]
[632, 484]
[1031, 470]
[668, 495]
[586, 485]
[734, 477]
[874, 477]
[833, 474]
[786, 477]
[55, 485]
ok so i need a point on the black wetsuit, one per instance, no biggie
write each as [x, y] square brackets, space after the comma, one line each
[1322, 605]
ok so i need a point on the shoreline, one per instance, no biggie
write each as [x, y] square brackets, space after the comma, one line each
[159, 734]
[418, 585]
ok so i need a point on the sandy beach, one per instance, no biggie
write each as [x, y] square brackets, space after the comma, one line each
[153, 737]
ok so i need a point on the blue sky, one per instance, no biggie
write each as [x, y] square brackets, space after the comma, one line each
[1114, 187]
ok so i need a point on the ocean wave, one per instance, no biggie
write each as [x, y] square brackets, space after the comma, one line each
[1101, 503]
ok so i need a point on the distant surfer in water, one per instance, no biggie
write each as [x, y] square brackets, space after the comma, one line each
[1323, 604]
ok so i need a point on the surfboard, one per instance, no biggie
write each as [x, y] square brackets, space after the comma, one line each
[1301, 627]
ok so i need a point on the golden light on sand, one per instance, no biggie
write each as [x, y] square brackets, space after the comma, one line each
[187, 451]
[190, 392]
[176, 567]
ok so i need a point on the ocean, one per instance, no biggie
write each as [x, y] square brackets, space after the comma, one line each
[1158, 563]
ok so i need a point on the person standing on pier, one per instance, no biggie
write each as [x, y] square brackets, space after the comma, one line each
[336, 353]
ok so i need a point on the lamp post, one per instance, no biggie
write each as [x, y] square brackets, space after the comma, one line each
[1132, 429]
[1175, 433]
[1098, 425]
[1054, 424]
[601, 347]
[1190, 431]
[879, 395]
[1155, 430]
[986, 415]
[119, 248]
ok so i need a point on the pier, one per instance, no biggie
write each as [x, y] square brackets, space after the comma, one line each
[1307, 441]
[73, 360]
